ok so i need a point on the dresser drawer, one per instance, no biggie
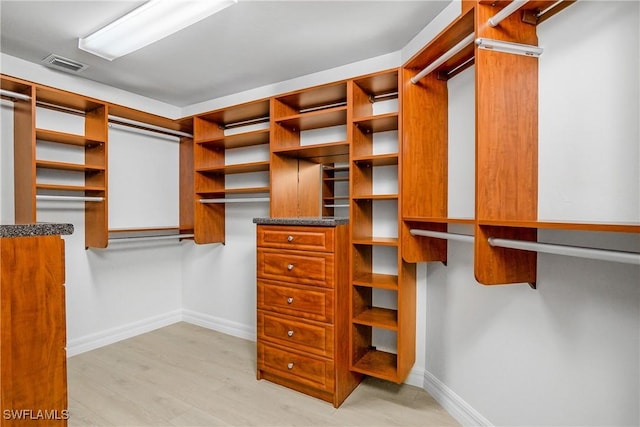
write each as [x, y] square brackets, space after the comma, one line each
[303, 336]
[310, 268]
[300, 238]
[308, 370]
[301, 301]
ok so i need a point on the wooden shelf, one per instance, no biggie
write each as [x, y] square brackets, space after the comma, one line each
[227, 117]
[338, 151]
[59, 98]
[316, 97]
[379, 123]
[66, 138]
[247, 139]
[333, 116]
[378, 317]
[380, 83]
[47, 164]
[376, 280]
[379, 364]
[377, 160]
[61, 187]
[238, 168]
[376, 241]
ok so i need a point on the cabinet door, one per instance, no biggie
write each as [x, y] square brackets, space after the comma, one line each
[33, 334]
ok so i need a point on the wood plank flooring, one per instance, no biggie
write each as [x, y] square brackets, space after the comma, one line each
[185, 375]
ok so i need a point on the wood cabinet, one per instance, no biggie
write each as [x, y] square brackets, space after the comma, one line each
[303, 301]
[33, 375]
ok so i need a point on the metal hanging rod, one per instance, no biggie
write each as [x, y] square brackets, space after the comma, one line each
[69, 198]
[442, 235]
[460, 67]
[246, 123]
[575, 251]
[506, 12]
[336, 206]
[135, 239]
[139, 130]
[444, 58]
[60, 108]
[383, 96]
[134, 123]
[14, 95]
[324, 107]
[553, 6]
[238, 200]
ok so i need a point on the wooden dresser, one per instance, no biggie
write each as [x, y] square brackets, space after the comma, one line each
[33, 375]
[303, 311]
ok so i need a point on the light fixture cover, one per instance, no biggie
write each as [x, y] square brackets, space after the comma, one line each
[147, 24]
[509, 47]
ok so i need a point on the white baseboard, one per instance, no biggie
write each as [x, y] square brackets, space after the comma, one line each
[415, 377]
[452, 403]
[219, 324]
[110, 336]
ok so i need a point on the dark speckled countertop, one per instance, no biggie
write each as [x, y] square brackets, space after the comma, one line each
[304, 221]
[39, 229]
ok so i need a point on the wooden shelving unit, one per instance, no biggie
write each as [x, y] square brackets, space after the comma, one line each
[303, 175]
[364, 125]
[214, 134]
[506, 175]
[93, 141]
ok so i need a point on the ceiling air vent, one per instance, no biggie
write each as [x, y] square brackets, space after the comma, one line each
[64, 64]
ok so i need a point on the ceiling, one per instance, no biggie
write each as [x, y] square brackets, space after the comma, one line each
[248, 45]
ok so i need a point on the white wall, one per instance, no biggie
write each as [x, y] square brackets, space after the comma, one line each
[567, 353]
[129, 288]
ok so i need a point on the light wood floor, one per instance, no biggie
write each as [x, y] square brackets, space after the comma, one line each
[185, 375]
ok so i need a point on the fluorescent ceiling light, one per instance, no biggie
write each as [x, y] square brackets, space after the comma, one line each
[147, 24]
[509, 47]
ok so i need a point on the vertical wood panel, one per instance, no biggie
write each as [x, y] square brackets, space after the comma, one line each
[24, 154]
[506, 150]
[96, 213]
[33, 333]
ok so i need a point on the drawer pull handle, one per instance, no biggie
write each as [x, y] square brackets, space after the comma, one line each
[290, 365]
[290, 333]
[290, 239]
[290, 300]
[290, 267]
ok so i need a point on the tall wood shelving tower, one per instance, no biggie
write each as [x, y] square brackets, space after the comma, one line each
[506, 149]
[372, 314]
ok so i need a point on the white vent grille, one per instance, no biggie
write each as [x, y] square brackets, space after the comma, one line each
[64, 64]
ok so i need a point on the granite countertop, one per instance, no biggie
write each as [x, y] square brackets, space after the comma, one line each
[38, 229]
[313, 221]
